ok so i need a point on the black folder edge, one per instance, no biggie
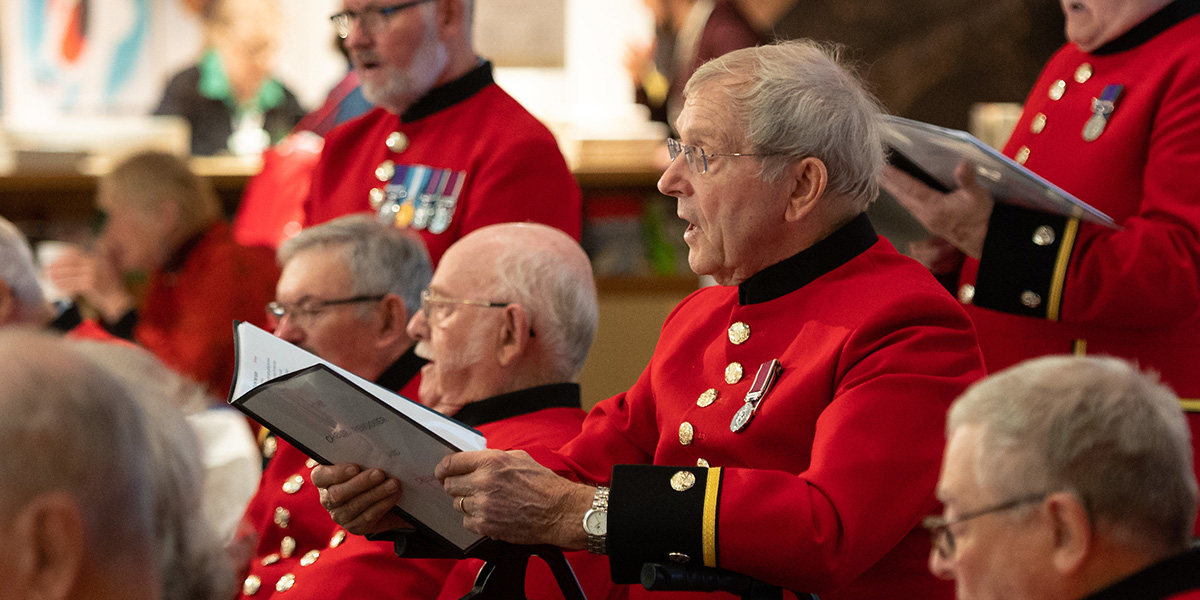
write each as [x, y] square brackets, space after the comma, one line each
[1010, 168]
[451, 547]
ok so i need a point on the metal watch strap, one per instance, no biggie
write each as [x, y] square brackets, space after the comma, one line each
[598, 544]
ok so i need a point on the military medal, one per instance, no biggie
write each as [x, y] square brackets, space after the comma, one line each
[763, 381]
[1102, 109]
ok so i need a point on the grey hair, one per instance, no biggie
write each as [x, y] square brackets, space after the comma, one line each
[1092, 426]
[558, 290]
[20, 275]
[68, 426]
[381, 258]
[194, 563]
[795, 99]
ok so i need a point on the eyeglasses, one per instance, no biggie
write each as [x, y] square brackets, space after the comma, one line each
[304, 312]
[371, 19]
[428, 300]
[697, 158]
[939, 527]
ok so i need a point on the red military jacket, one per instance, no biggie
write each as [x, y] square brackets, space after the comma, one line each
[186, 318]
[1051, 285]
[302, 552]
[546, 416]
[824, 489]
[465, 156]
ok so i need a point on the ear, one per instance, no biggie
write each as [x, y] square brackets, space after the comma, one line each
[514, 334]
[449, 15]
[50, 543]
[809, 178]
[8, 305]
[1073, 541]
[393, 320]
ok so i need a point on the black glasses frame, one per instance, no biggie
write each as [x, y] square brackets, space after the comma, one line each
[343, 21]
[939, 528]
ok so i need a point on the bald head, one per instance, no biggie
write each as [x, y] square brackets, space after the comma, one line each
[544, 270]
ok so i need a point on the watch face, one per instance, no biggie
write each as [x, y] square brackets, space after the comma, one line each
[595, 522]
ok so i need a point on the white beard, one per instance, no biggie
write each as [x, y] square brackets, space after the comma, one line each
[404, 87]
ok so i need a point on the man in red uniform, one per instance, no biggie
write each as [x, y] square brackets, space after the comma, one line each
[345, 294]
[1067, 478]
[1115, 121]
[347, 290]
[788, 425]
[446, 151]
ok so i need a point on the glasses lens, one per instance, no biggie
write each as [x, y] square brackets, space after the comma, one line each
[341, 24]
[673, 148]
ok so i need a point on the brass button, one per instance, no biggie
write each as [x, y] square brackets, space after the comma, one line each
[966, 293]
[270, 559]
[1038, 123]
[310, 558]
[733, 373]
[707, 397]
[738, 333]
[1022, 154]
[285, 583]
[1031, 299]
[396, 141]
[337, 539]
[686, 433]
[251, 584]
[679, 557]
[682, 481]
[282, 516]
[700, 462]
[269, 446]
[293, 484]
[375, 197]
[287, 547]
[1083, 73]
[385, 170]
[1057, 89]
[1044, 235]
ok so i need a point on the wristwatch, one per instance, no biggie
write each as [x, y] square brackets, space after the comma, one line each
[595, 523]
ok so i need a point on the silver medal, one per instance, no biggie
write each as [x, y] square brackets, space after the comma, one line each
[742, 417]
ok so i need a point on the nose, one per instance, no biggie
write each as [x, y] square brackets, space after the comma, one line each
[418, 327]
[287, 330]
[674, 181]
[942, 568]
[357, 36]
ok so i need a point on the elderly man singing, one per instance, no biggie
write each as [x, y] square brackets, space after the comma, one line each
[787, 426]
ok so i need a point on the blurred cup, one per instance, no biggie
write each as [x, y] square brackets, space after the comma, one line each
[47, 252]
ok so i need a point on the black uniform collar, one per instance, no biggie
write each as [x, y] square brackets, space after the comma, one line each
[793, 273]
[1167, 17]
[1160, 580]
[515, 404]
[450, 93]
[399, 373]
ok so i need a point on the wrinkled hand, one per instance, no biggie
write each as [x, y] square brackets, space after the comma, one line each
[358, 500]
[93, 277]
[961, 216]
[508, 496]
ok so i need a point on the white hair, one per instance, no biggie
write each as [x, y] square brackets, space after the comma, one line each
[18, 272]
[1092, 426]
[381, 259]
[68, 426]
[794, 99]
[194, 563]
